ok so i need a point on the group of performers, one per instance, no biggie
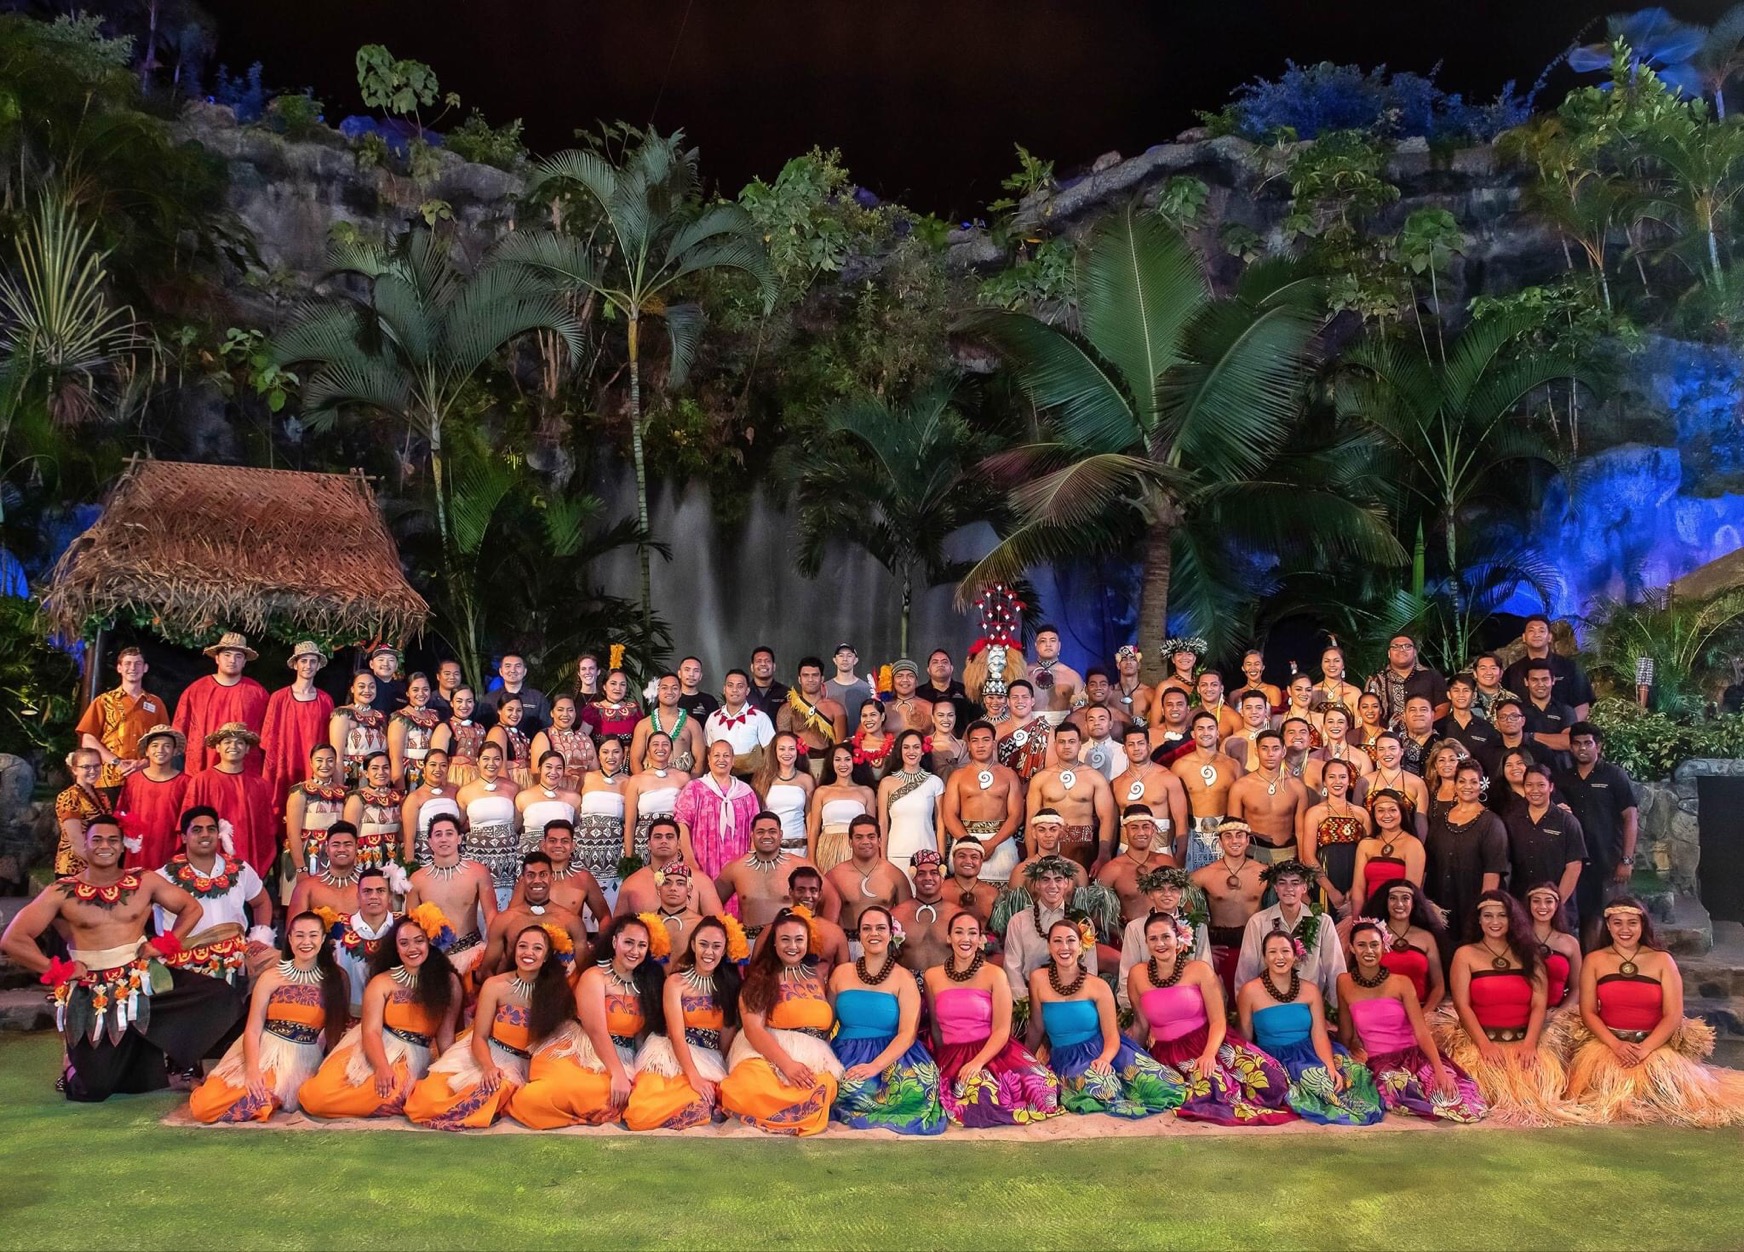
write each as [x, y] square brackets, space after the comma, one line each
[1101, 897]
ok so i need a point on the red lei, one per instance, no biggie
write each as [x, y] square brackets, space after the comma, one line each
[197, 884]
[357, 945]
[863, 757]
[103, 897]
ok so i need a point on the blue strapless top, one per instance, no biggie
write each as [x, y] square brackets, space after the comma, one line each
[1070, 1022]
[1281, 1025]
[867, 1014]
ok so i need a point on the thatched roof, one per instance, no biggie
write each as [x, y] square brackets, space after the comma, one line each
[1723, 574]
[191, 550]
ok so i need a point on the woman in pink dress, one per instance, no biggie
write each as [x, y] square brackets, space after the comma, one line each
[714, 813]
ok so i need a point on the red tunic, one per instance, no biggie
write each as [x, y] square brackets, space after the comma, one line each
[246, 802]
[293, 727]
[206, 705]
[152, 813]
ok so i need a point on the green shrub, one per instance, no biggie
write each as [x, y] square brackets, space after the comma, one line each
[294, 116]
[1649, 746]
[477, 140]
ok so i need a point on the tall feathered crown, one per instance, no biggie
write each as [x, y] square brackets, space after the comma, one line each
[999, 608]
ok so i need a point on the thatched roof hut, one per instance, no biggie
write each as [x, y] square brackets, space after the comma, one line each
[190, 550]
[1725, 573]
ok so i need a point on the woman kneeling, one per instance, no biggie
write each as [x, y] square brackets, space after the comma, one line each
[889, 1080]
[679, 1073]
[781, 1074]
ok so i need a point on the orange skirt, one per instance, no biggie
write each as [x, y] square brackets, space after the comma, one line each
[449, 1097]
[567, 1084]
[754, 1092]
[345, 1084]
[224, 1097]
[663, 1098]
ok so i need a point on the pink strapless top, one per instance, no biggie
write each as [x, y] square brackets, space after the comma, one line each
[964, 1014]
[1383, 1025]
[1173, 1011]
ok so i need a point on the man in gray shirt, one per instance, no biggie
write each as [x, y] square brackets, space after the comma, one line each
[847, 688]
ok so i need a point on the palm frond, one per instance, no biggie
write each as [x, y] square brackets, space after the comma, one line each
[1084, 393]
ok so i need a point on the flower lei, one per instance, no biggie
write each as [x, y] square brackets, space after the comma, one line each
[103, 897]
[202, 886]
[323, 791]
[863, 757]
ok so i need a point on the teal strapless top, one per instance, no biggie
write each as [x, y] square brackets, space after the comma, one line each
[1070, 1022]
[1281, 1025]
[866, 1014]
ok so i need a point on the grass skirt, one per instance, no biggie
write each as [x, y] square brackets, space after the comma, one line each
[1245, 1087]
[903, 1097]
[1670, 1086]
[1137, 1084]
[1522, 1089]
[754, 1092]
[449, 1097]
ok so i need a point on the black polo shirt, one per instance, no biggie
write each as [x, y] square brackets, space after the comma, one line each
[1538, 851]
[1553, 719]
[1481, 739]
[535, 708]
[390, 696]
[769, 700]
[1599, 801]
[699, 706]
[1570, 686]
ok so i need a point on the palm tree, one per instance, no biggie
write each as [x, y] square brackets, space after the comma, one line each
[898, 481]
[1167, 411]
[1454, 430]
[411, 346]
[1689, 639]
[657, 233]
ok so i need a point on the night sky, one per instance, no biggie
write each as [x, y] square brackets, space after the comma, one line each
[925, 99]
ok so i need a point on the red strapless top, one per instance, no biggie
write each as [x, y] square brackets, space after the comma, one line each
[1630, 1001]
[1556, 970]
[1501, 999]
[1413, 963]
[1381, 869]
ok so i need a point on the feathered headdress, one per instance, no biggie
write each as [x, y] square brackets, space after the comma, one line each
[615, 657]
[814, 940]
[561, 943]
[430, 919]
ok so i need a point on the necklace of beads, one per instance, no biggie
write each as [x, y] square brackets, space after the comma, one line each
[968, 974]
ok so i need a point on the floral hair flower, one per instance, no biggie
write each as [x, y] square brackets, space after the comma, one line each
[330, 917]
[897, 936]
[561, 943]
[738, 945]
[430, 919]
[659, 938]
[166, 944]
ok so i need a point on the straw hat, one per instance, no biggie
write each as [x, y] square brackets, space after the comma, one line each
[231, 641]
[162, 731]
[307, 647]
[229, 729]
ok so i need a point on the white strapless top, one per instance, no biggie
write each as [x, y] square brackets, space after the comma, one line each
[435, 807]
[787, 801]
[840, 812]
[536, 814]
[603, 804]
[660, 802]
[491, 810]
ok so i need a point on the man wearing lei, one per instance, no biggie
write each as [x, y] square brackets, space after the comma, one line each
[122, 1013]
[1049, 882]
[1142, 852]
[462, 891]
[1324, 961]
[810, 713]
[233, 925]
[357, 937]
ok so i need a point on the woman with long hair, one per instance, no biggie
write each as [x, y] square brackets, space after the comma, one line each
[411, 1005]
[584, 1074]
[1417, 940]
[1331, 831]
[470, 1086]
[680, 1070]
[615, 714]
[986, 1078]
[1392, 851]
[460, 737]
[1382, 1021]
[517, 746]
[782, 1076]
[889, 1081]
[1285, 1016]
[1641, 1058]
[567, 737]
[1178, 1007]
[1559, 947]
[908, 802]
[358, 731]
[599, 822]
[295, 1006]
[784, 783]
[1439, 774]
[844, 794]
[1099, 1069]
[1498, 987]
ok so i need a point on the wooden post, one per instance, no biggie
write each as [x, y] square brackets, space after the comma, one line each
[91, 669]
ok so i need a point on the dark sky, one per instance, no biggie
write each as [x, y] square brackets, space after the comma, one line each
[924, 97]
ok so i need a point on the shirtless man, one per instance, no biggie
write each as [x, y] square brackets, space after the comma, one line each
[531, 906]
[965, 888]
[335, 887]
[1048, 831]
[807, 886]
[462, 889]
[435, 791]
[1206, 775]
[1081, 796]
[1132, 698]
[1233, 885]
[984, 801]
[1100, 752]
[1057, 686]
[760, 878]
[1256, 715]
[1298, 734]
[1270, 802]
[673, 896]
[102, 912]
[573, 887]
[641, 890]
[924, 917]
[866, 878]
[810, 713]
[1209, 685]
[1156, 788]
[905, 710]
[1142, 855]
[1098, 694]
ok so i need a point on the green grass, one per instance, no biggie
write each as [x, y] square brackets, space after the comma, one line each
[109, 1176]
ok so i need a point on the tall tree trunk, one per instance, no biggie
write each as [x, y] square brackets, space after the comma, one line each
[641, 473]
[439, 486]
[907, 607]
[1153, 599]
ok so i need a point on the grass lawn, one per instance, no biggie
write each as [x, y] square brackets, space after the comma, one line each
[109, 1176]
